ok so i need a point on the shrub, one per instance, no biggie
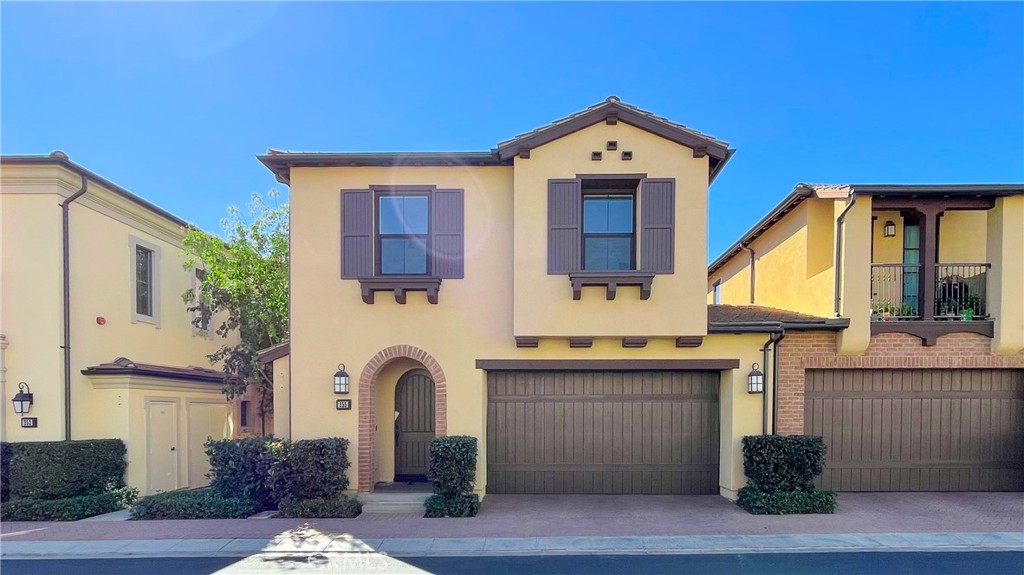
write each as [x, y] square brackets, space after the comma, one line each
[5, 471]
[241, 468]
[311, 469]
[453, 465]
[65, 469]
[783, 463]
[321, 507]
[192, 504]
[464, 505]
[786, 502]
[66, 509]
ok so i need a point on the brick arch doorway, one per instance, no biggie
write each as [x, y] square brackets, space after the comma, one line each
[368, 453]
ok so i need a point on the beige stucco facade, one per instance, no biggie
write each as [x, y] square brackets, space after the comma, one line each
[506, 293]
[105, 225]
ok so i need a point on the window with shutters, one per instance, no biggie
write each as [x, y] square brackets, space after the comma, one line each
[402, 238]
[609, 239]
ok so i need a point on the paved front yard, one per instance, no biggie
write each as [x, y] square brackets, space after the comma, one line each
[591, 515]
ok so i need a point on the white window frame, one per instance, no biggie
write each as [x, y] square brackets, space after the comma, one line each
[133, 244]
[716, 290]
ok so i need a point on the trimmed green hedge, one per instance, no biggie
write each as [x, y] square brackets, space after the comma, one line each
[5, 472]
[241, 468]
[192, 504]
[786, 502]
[783, 463]
[452, 465]
[313, 469]
[465, 505]
[321, 508]
[67, 509]
[65, 469]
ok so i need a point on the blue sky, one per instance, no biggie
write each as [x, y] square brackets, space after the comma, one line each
[173, 101]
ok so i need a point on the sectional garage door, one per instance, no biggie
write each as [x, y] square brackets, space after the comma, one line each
[602, 432]
[918, 429]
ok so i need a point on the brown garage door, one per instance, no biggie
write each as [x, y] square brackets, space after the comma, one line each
[602, 432]
[918, 429]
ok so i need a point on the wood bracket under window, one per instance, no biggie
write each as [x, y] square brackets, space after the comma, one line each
[689, 341]
[527, 341]
[634, 342]
[400, 285]
[581, 342]
[611, 281]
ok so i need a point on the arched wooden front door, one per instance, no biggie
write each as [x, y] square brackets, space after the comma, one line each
[414, 424]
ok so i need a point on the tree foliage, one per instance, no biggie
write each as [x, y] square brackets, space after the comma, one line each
[244, 288]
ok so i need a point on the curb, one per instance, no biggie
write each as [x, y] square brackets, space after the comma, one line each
[516, 546]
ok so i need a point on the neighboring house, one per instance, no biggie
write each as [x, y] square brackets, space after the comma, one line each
[925, 388]
[131, 365]
[546, 297]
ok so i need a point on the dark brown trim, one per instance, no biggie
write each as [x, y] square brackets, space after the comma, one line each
[612, 118]
[399, 189]
[700, 152]
[274, 353]
[281, 163]
[916, 203]
[581, 342]
[627, 155]
[527, 341]
[607, 364]
[524, 154]
[400, 285]
[634, 342]
[126, 367]
[610, 281]
[690, 341]
[930, 331]
[952, 190]
[612, 145]
[625, 176]
[595, 156]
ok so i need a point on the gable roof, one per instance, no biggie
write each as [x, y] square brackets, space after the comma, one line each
[610, 110]
[722, 318]
[842, 191]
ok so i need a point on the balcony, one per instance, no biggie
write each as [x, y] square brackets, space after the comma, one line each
[955, 301]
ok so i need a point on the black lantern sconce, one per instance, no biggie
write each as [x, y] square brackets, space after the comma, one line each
[341, 380]
[23, 399]
[889, 230]
[755, 380]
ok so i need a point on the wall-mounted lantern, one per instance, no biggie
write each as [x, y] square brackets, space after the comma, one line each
[23, 399]
[341, 380]
[889, 230]
[755, 380]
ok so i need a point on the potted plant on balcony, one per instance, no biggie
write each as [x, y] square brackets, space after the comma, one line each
[971, 307]
[882, 310]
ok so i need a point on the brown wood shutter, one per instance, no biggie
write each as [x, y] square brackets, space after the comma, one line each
[447, 222]
[657, 226]
[565, 215]
[356, 234]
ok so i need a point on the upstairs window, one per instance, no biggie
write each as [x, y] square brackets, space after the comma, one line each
[403, 234]
[609, 238]
[717, 287]
[145, 281]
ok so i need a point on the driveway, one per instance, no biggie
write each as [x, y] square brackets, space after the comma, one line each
[593, 515]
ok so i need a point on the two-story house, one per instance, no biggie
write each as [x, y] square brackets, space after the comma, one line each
[93, 324]
[547, 297]
[924, 390]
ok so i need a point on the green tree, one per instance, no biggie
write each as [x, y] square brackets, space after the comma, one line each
[246, 284]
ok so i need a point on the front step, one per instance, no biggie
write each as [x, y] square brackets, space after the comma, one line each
[384, 502]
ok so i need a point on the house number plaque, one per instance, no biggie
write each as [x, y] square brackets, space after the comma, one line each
[30, 422]
[343, 404]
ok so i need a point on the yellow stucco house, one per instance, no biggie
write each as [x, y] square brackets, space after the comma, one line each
[924, 390]
[547, 297]
[94, 325]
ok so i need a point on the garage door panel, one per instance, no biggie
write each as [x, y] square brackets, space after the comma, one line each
[603, 432]
[918, 430]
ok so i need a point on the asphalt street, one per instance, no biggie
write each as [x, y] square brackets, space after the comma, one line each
[930, 563]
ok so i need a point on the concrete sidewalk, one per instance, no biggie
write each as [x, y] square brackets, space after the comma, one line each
[314, 543]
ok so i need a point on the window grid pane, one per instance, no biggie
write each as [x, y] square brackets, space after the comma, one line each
[404, 215]
[403, 256]
[608, 232]
[143, 281]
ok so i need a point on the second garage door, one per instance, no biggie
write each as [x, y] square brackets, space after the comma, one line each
[603, 432]
[918, 429]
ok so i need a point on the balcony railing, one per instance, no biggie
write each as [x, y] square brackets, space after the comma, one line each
[897, 293]
[960, 291]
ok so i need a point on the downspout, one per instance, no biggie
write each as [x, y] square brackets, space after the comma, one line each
[775, 335]
[752, 270]
[839, 250]
[65, 210]
[764, 400]
[775, 376]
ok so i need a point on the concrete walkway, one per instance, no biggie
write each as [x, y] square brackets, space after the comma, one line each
[475, 546]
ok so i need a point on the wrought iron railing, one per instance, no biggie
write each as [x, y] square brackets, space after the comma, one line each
[960, 291]
[895, 291]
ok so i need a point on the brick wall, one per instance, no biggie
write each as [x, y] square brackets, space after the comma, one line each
[802, 350]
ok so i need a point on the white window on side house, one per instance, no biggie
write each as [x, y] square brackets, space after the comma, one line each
[145, 281]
